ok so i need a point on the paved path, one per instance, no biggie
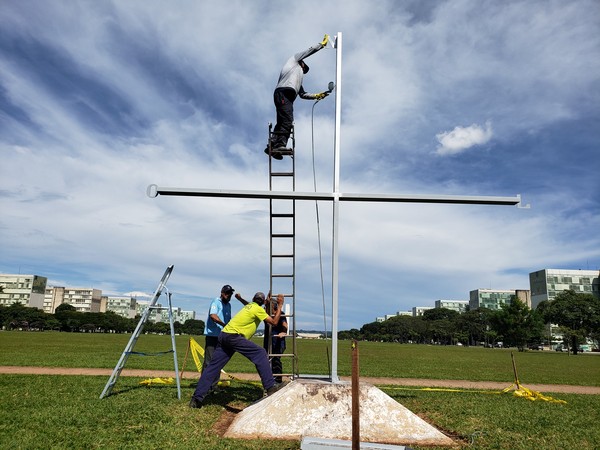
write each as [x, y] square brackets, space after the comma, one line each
[454, 384]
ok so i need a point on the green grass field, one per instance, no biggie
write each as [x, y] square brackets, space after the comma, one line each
[65, 412]
[53, 349]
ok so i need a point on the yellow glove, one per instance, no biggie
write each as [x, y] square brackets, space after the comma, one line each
[325, 40]
[321, 95]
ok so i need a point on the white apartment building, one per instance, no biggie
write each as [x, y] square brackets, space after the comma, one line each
[53, 297]
[25, 289]
[178, 315]
[82, 299]
[389, 316]
[161, 314]
[418, 311]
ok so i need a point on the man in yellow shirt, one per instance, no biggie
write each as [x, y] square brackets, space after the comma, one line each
[235, 337]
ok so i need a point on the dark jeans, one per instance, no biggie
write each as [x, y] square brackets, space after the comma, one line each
[278, 347]
[210, 345]
[228, 345]
[284, 106]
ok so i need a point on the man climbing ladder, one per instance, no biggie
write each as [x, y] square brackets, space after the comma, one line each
[289, 86]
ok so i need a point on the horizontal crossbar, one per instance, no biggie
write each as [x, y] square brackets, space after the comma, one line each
[154, 191]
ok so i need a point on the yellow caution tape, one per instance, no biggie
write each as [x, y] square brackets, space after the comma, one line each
[198, 352]
[198, 356]
[520, 391]
[151, 381]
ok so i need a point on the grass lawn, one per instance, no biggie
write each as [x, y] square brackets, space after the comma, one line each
[53, 349]
[56, 412]
[59, 412]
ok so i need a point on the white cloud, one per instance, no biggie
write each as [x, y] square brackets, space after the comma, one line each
[462, 138]
[190, 95]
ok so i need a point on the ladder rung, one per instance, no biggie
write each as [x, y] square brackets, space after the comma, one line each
[290, 215]
[285, 296]
[281, 275]
[283, 256]
[282, 354]
[282, 174]
[282, 235]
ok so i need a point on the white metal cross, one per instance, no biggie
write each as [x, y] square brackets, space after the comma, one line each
[336, 197]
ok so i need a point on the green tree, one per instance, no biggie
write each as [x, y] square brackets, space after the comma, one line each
[475, 323]
[577, 314]
[441, 324]
[517, 324]
[400, 328]
[69, 318]
[193, 326]
[351, 334]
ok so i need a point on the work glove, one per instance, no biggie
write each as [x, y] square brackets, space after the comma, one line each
[321, 95]
[325, 40]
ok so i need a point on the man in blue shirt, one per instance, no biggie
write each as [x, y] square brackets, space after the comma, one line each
[219, 314]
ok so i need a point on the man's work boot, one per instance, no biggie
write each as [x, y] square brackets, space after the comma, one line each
[195, 403]
[276, 387]
[274, 154]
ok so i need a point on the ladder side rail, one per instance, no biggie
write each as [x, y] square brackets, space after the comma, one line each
[114, 377]
[293, 324]
[125, 355]
[267, 335]
[174, 347]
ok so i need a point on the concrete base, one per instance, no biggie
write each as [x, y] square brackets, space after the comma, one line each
[311, 443]
[324, 410]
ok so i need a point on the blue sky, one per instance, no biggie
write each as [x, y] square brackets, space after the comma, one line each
[99, 99]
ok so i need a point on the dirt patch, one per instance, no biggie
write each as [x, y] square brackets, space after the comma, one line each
[227, 417]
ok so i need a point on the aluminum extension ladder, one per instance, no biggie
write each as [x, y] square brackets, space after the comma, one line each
[138, 330]
[282, 249]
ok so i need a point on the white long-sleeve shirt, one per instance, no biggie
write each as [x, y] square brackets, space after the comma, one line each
[291, 74]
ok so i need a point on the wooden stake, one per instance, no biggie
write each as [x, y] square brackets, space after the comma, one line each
[515, 369]
[355, 398]
[184, 361]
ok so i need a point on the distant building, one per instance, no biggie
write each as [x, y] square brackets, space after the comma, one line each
[123, 306]
[53, 297]
[142, 305]
[418, 311]
[459, 306]
[178, 315]
[25, 289]
[495, 298]
[545, 284]
[389, 316]
[82, 299]
[304, 335]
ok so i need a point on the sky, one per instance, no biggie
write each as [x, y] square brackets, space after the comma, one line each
[100, 99]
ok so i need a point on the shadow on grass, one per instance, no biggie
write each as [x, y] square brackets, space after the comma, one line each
[238, 392]
[124, 390]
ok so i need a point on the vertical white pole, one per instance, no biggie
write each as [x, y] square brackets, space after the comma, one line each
[336, 208]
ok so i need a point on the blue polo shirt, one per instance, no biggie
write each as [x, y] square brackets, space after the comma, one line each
[211, 328]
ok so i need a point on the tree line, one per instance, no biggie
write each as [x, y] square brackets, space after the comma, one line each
[67, 318]
[515, 324]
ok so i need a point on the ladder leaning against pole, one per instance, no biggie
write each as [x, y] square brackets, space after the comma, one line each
[138, 330]
[282, 247]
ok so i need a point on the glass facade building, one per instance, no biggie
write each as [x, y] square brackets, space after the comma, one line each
[547, 283]
[490, 298]
[459, 306]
